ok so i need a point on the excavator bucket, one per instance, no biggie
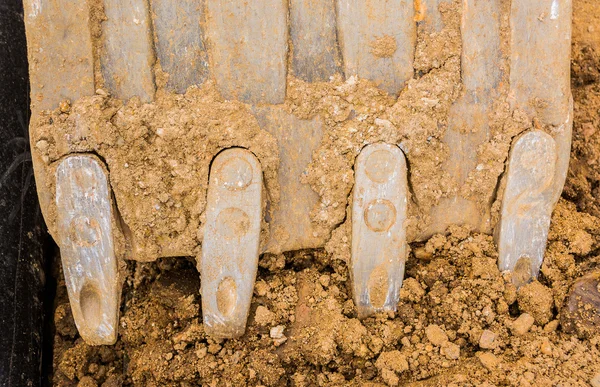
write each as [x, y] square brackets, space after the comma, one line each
[226, 129]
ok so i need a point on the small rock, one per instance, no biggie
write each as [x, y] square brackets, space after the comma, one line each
[450, 350]
[261, 288]
[389, 377]
[42, 145]
[522, 324]
[546, 347]
[487, 339]
[423, 254]
[277, 332]
[65, 106]
[436, 335]
[324, 280]
[411, 290]
[581, 314]
[488, 360]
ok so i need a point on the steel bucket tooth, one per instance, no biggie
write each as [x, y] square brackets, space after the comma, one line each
[378, 228]
[86, 224]
[231, 241]
[527, 206]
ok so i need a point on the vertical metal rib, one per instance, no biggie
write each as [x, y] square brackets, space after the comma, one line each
[469, 116]
[128, 56]
[315, 54]
[179, 45]
[540, 58]
[249, 49]
[377, 40]
[297, 200]
[60, 51]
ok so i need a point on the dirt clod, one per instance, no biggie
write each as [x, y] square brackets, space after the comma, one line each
[537, 300]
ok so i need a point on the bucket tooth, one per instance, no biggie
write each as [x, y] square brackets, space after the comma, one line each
[377, 40]
[378, 228]
[527, 206]
[231, 242]
[249, 49]
[128, 57]
[85, 222]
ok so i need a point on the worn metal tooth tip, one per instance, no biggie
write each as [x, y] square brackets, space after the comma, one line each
[231, 242]
[378, 228]
[85, 235]
[527, 206]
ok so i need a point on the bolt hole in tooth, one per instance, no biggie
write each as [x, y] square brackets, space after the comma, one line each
[380, 166]
[380, 215]
[236, 174]
[232, 223]
[227, 296]
[84, 231]
[90, 303]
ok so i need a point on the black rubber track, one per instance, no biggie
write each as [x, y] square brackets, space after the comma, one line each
[21, 230]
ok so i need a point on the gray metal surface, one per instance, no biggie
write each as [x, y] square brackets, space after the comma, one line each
[85, 223]
[527, 206]
[128, 56]
[231, 241]
[315, 52]
[297, 200]
[61, 64]
[179, 46]
[377, 40]
[378, 228]
[248, 48]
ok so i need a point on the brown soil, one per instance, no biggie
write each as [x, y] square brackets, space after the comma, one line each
[459, 321]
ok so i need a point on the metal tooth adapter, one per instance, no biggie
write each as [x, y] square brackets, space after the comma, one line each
[226, 101]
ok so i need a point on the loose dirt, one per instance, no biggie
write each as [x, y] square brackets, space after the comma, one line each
[459, 321]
